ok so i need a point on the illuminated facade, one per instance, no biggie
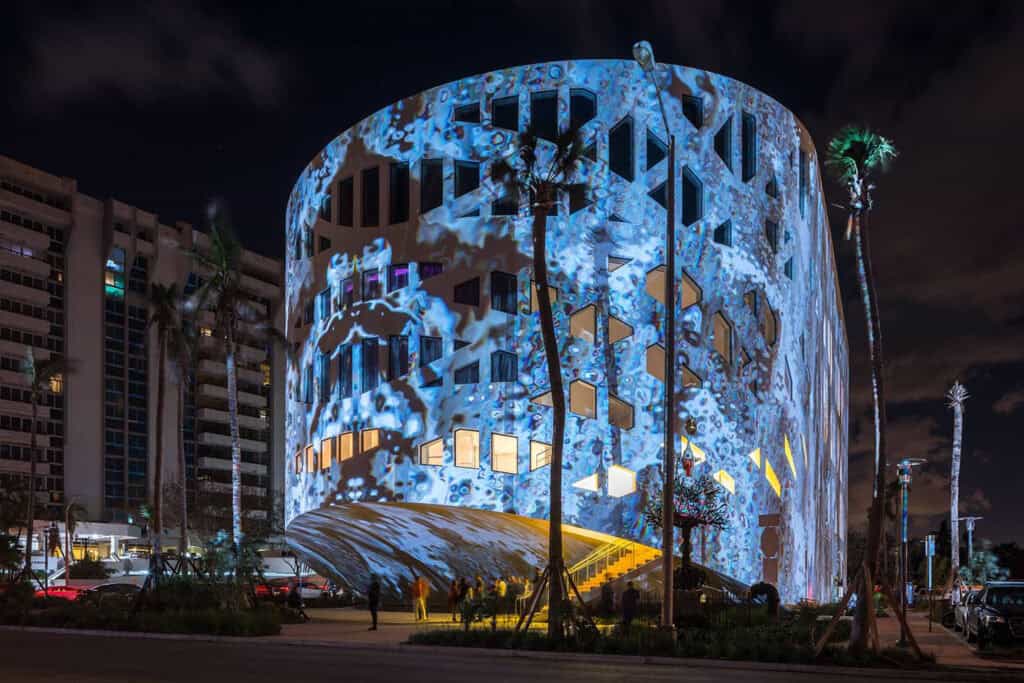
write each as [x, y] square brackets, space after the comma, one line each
[418, 374]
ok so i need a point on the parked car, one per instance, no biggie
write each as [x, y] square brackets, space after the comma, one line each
[62, 592]
[110, 590]
[960, 611]
[997, 615]
[310, 587]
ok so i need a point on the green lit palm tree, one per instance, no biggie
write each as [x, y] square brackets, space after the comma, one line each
[541, 173]
[42, 377]
[957, 395]
[855, 156]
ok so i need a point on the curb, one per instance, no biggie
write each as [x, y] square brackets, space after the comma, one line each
[941, 674]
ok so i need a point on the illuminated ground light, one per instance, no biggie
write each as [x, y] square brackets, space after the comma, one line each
[621, 481]
[726, 480]
[588, 483]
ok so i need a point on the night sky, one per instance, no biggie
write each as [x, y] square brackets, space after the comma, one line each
[164, 105]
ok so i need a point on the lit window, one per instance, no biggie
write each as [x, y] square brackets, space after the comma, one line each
[468, 374]
[542, 400]
[431, 184]
[326, 453]
[748, 143]
[618, 330]
[583, 398]
[789, 454]
[371, 197]
[620, 148]
[693, 197]
[467, 292]
[468, 113]
[504, 367]
[346, 446]
[723, 234]
[467, 448]
[693, 110]
[770, 326]
[656, 361]
[205, 332]
[589, 483]
[582, 107]
[432, 453]
[583, 322]
[467, 177]
[655, 284]
[298, 463]
[621, 481]
[398, 276]
[348, 294]
[505, 112]
[503, 292]
[722, 337]
[656, 150]
[723, 143]
[773, 479]
[726, 480]
[57, 384]
[755, 456]
[504, 453]
[535, 303]
[265, 370]
[540, 455]
[371, 285]
[544, 114]
[690, 379]
[369, 440]
[620, 413]
[310, 459]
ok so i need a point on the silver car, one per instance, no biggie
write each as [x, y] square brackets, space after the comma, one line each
[961, 611]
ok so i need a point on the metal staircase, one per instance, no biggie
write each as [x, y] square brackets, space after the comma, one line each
[609, 562]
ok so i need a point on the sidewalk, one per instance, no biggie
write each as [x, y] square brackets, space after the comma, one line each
[949, 649]
[349, 625]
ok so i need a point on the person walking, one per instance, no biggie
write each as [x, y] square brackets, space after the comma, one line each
[453, 598]
[478, 588]
[630, 601]
[295, 599]
[420, 591]
[501, 588]
[465, 594]
[373, 598]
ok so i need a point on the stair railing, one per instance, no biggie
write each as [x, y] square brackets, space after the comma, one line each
[603, 557]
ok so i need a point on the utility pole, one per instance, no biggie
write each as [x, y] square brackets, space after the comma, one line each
[904, 467]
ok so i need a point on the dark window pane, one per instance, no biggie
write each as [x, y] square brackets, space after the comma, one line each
[347, 292]
[398, 193]
[431, 184]
[579, 198]
[544, 114]
[788, 269]
[371, 197]
[723, 143]
[459, 344]
[749, 146]
[468, 113]
[398, 276]
[656, 150]
[693, 197]
[346, 201]
[693, 110]
[468, 374]
[582, 107]
[503, 292]
[468, 292]
[371, 285]
[431, 349]
[371, 362]
[804, 172]
[504, 367]
[345, 371]
[323, 371]
[507, 205]
[771, 232]
[660, 195]
[429, 269]
[723, 234]
[467, 177]
[398, 356]
[505, 112]
[325, 208]
[325, 244]
[620, 148]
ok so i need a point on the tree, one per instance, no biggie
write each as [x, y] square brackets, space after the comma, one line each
[855, 155]
[983, 567]
[697, 505]
[42, 377]
[540, 172]
[956, 395]
[73, 513]
[221, 291]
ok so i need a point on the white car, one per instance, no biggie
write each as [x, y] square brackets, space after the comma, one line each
[961, 611]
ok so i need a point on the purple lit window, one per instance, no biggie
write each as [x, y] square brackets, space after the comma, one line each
[348, 296]
[371, 285]
[398, 276]
[430, 269]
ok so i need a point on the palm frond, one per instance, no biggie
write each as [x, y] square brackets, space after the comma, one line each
[857, 151]
[956, 395]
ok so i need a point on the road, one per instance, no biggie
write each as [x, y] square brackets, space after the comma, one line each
[39, 656]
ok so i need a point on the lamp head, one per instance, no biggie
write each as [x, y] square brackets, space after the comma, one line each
[643, 53]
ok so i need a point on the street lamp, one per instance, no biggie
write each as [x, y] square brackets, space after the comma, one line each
[969, 523]
[903, 468]
[643, 53]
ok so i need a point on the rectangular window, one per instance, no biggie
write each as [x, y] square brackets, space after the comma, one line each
[347, 202]
[310, 459]
[504, 367]
[307, 241]
[324, 244]
[748, 135]
[540, 455]
[804, 172]
[345, 371]
[503, 292]
[431, 184]
[323, 305]
[371, 197]
[430, 350]
[398, 276]
[308, 313]
[467, 448]
[468, 374]
[326, 453]
[467, 292]
[429, 269]
[467, 177]
[398, 193]
[468, 113]
[348, 294]
[505, 112]
[371, 285]
[369, 440]
[370, 353]
[323, 371]
[432, 452]
[398, 356]
[544, 114]
[504, 453]
[771, 231]
[325, 207]
[307, 384]
[346, 446]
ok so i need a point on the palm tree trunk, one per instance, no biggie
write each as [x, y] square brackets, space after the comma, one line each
[547, 329]
[183, 531]
[67, 544]
[30, 516]
[865, 278]
[954, 490]
[236, 447]
[158, 465]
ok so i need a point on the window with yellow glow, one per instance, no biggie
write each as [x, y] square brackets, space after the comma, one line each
[57, 384]
[543, 400]
[755, 455]
[770, 326]
[298, 463]
[589, 483]
[205, 331]
[346, 446]
[773, 479]
[620, 413]
[621, 481]
[583, 398]
[504, 453]
[655, 284]
[540, 455]
[789, 454]
[618, 330]
[432, 452]
[326, 453]
[310, 459]
[583, 322]
[722, 337]
[535, 302]
[691, 293]
[265, 369]
[369, 440]
[726, 480]
[467, 448]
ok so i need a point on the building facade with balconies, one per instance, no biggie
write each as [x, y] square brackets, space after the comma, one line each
[419, 417]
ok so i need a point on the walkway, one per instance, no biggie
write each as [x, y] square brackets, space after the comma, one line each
[949, 648]
[350, 624]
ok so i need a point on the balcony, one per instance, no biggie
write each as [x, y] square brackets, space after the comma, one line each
[9, 348]
[23, 438]
[26, 322]
[259, 287]
[219, 487]
[23, 467]
[30, 295]
[213, 368]
[221, 393]
[224, 465]
[25, 263]
[23, 409]
[221, 417]
[245, 353]
[37, 241]
[224, 441]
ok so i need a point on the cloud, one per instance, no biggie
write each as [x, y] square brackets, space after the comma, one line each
[1010, 402]
[144, 54]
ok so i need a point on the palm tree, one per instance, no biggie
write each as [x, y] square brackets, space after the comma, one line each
[855, 155]
[222, 292]
[956, 396]
[73, 512]
[42, 376]
[540, 173]
[184, 353]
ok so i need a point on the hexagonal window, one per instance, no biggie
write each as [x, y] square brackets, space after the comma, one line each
[621, 481]
[535, 302]
[583, 398]
[722, 337]
[692, 293]
[583, 322]
[656, 361]
[620, 413]
[588, 483]
[690, 379]
[618, 330]
[616, 262]
[542, 400]
[655, 284]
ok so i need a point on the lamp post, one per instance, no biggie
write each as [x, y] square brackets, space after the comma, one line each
[969, 523]
[643, 53]
[929, 551]
[904, 467]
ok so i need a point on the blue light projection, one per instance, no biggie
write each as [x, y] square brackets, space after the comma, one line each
[766, 380]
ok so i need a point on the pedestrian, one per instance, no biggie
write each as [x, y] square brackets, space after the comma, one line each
[501, 588]
[630, 600]
[453, 598]
[478, 588]
[465, 593]
[607, 599]
[420, 590]
[373, 598]
[295, 599]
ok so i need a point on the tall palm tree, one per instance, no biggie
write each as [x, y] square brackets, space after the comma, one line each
[184, 354]
[855, 155]
[956, 395]
[73, 513]
[221, 291]
[541, 173]
[42, 377]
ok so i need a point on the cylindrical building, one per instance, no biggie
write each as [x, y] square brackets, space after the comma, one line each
[418, 429]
